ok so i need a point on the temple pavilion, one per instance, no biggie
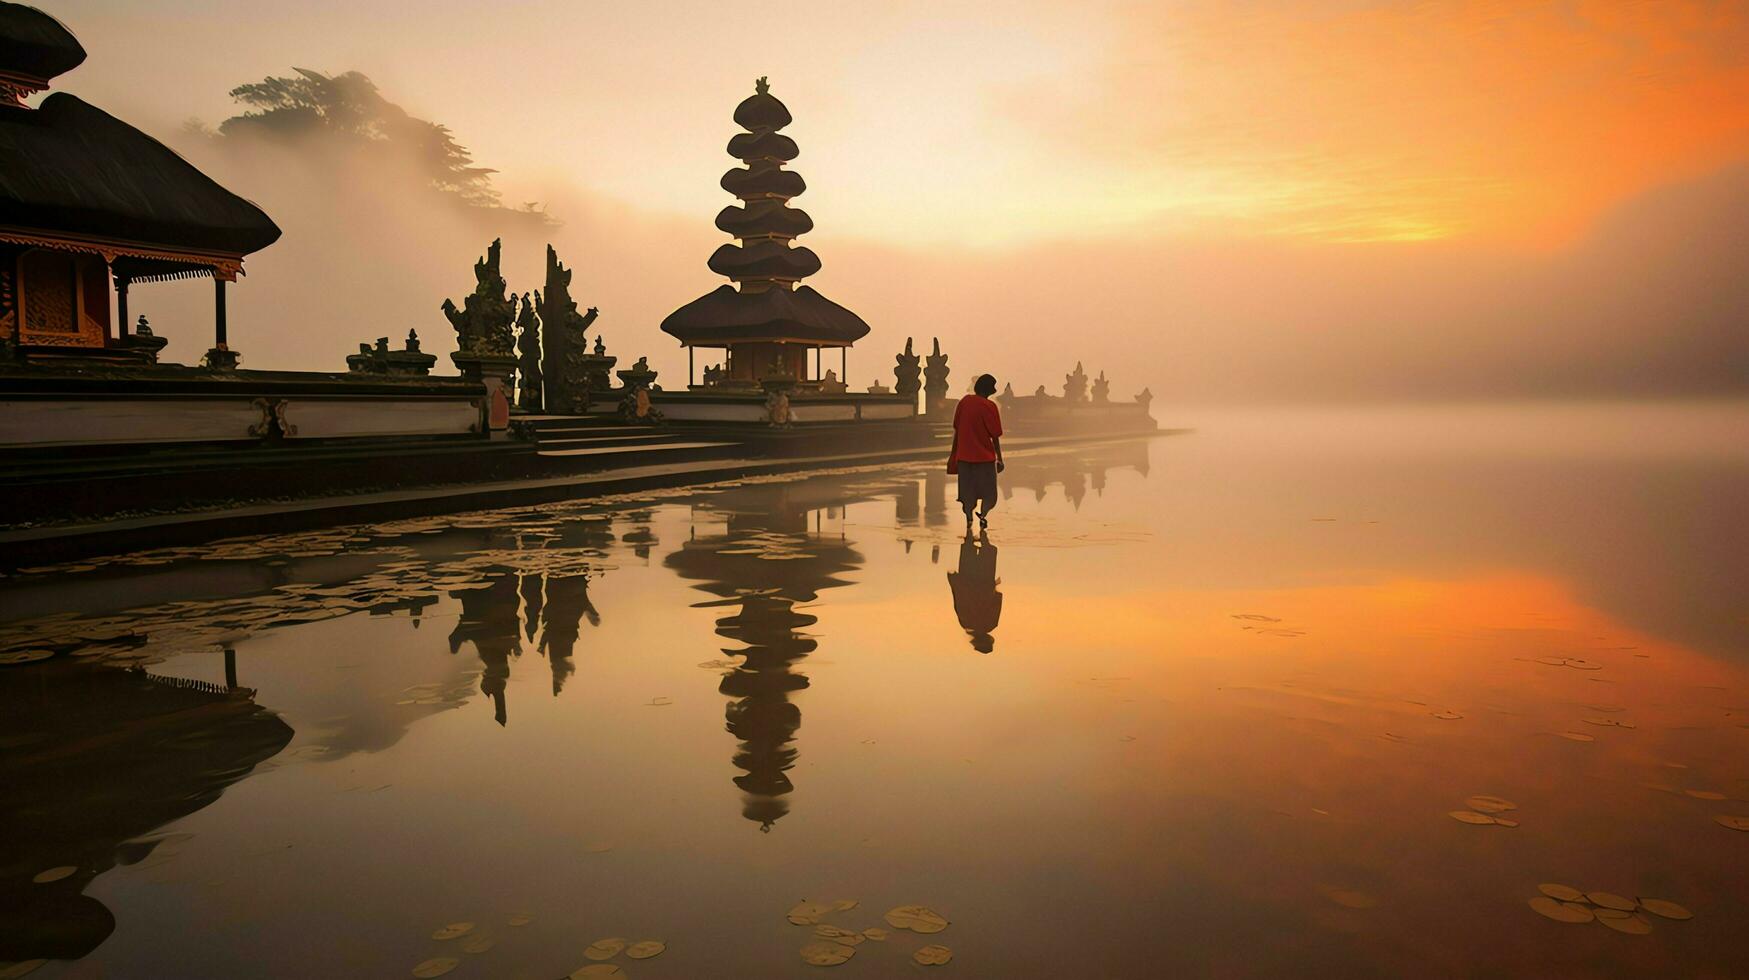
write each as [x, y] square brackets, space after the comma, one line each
[87, 200]
[767, 322]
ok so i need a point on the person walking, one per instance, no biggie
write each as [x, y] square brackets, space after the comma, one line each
[976, 456]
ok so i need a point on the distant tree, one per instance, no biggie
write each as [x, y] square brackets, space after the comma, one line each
[348, 106]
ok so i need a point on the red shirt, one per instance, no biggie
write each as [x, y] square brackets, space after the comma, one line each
[977, 425]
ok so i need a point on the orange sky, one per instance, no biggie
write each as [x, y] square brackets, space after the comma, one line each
[1547, 190]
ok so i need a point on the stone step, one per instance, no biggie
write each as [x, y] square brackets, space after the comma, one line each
[632, 450]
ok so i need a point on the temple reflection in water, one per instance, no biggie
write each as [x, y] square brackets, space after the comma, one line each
[762, 564]
[95, 760]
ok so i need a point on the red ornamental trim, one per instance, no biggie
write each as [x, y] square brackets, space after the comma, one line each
[226, 267]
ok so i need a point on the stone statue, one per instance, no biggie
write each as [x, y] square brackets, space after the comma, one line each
[1040, 393]
[412, 341]
[483, 324]
[1007, 392]
[831, 385]
[935, 380]
[528, 382]
[1101, 389]
[565, 350]
[777, 407]
[879, 389]
[907, 372]
[600, 343]
[1075, 385]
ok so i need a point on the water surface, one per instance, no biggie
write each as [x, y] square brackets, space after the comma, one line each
[1200, 705]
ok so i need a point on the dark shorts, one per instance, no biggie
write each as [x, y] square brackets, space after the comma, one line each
[978, 483]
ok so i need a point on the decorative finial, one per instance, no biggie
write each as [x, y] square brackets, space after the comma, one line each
[761, 86]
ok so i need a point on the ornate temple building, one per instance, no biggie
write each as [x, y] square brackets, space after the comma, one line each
[86, 199]
[767, 322]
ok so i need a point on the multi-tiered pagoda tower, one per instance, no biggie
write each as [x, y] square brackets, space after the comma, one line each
[766, 322]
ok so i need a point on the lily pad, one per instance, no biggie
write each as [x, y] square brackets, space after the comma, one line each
[849, 937]
[453, 930]
[1732, 821]
[604, 949]
[1560, 911]
[844, 904]
[916, 918]
[1577, 736]
[1633, 925]
[827, 954]
[54, 874]
[1490, 804]
[436, 967]
[1665, 909]
[1565, 893]
[807, 913]
[479, 944]
[643, 949]
[1471, 817]
[1351, 899]
[1446, 715]
[933, 955]
[875, 933]
[1610, 900]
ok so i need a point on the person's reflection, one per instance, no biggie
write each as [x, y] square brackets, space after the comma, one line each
[975, 599]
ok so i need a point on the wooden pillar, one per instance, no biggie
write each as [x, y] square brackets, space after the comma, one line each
[121, 306]
[689, 378]
[844, 364]
[219, 313]
[231, 668]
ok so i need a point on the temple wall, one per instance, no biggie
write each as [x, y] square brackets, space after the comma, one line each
[56, 422]
[749, 407]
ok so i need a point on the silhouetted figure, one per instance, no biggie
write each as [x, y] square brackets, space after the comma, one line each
[976, 456]
[975, 599]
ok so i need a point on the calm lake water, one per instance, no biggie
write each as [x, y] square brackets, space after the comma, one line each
[1202, 705]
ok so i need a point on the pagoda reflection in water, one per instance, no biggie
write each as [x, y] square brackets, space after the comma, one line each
[766, 561]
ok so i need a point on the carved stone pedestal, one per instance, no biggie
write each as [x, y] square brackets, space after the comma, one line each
[222, 359]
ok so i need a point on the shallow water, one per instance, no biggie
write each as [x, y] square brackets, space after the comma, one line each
[1235, 683]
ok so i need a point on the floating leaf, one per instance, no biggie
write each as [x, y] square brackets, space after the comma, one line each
[1565, 893]
[596, 970]
[875, 933]
[604, 949]
[1621, 921]
[849, 937]
[1490, 804]
[453, 930]
[1665, 909]
[436, 967]
[1446, 715]
[826, 954]
[1731, 821]
[807, 913]
[479, 944]
[1471, 817]
[1560, 911]
[643, 949]
[24, 657]
[844, 905]
[1577, 736]
[1610, 900]
[1503, 822]
[933, 955]
[915, 918]
[54, 874]
[1351, 899]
